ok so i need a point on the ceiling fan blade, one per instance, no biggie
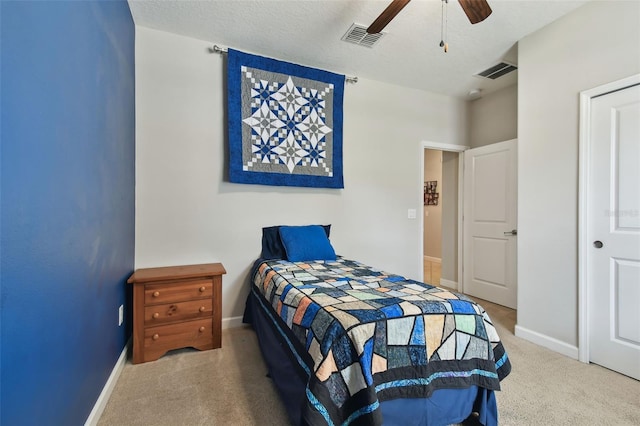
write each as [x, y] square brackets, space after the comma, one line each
[476, 10]
[386, 16]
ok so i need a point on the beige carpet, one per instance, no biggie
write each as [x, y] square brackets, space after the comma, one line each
[228, 386]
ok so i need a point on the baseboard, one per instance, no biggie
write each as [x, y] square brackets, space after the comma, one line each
[432, 259]
[548, 342]
[449, 284]
[101, 403]
[232, 322]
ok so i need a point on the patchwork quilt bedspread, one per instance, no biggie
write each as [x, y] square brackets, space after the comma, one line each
[365, 336]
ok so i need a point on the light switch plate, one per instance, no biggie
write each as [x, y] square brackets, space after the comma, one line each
[411, 214]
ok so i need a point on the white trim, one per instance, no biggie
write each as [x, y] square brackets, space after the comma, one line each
[443, 147]
[583, 202]
[449, 148]
[583, 179]
[101, 402]
[460, 286]
[449, 284]
[432, 259]
[232, 322]
[547, 341]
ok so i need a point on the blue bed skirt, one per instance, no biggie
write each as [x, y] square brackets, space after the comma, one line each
[443, 407]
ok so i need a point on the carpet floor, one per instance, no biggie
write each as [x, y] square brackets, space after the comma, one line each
[229, 386]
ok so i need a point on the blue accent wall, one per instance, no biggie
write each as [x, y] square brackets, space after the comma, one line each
[67, 204]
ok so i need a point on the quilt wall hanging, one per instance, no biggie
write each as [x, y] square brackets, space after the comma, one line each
[285, 123]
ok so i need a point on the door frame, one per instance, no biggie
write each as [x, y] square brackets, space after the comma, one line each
[449, 148]
[584, 145]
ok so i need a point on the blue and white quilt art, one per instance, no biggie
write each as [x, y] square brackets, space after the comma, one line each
[285, 123]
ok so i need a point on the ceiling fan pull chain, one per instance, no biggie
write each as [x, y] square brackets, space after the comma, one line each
[446, 25]
[443, 25]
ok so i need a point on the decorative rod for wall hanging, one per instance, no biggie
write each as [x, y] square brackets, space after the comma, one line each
[222, 50]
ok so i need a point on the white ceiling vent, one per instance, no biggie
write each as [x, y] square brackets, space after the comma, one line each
[497, 70]
[357, 34]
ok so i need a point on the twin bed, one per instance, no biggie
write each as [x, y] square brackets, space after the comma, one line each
[347, 344]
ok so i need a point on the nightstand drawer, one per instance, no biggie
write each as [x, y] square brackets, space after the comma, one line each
[177, 292]
[170, 312]
[158, 340]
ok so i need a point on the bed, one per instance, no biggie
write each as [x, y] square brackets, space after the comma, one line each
[348, 344]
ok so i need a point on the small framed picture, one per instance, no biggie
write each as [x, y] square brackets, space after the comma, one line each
[430, 193]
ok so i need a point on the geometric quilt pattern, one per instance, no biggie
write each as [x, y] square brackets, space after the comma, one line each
[285, 123]
[374, 333]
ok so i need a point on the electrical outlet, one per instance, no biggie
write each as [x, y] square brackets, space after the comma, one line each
[120, 315]
[411, 214]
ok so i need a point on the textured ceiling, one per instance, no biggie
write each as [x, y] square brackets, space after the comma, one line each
[309, 33]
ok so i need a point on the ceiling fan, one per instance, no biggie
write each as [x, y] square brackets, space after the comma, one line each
[476, 11]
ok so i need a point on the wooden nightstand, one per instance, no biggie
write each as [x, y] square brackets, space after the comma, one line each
[176, 307]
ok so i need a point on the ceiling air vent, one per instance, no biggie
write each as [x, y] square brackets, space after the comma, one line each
[357, 34]
[497, 70]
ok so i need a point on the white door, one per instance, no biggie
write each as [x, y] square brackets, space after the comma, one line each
[490, 215]
[613, 231]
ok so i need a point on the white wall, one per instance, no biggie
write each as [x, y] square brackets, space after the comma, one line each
[494, 117]
[596, 44]
[186, 213]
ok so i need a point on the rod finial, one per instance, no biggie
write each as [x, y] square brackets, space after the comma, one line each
[217, 49]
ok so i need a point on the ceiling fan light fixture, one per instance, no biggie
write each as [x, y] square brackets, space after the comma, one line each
[476, 11]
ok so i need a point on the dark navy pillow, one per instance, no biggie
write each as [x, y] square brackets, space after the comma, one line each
[306, 243]
[272, 247]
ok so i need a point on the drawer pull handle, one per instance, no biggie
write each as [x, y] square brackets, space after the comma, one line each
[156, 315]
[201, 329]
[202, 289]
[202, 308]
[156, 293]
[156, 336]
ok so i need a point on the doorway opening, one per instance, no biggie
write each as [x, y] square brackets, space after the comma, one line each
[441, 214]
[432, 211]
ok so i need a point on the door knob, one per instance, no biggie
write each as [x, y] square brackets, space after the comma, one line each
[598, 244]
[512, 232]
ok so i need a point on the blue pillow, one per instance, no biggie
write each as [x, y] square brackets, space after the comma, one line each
[306, 243]
[272, 247]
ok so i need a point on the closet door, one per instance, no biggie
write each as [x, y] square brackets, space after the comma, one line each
[613, 231]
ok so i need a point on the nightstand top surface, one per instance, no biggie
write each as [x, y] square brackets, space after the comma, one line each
[176, 272]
